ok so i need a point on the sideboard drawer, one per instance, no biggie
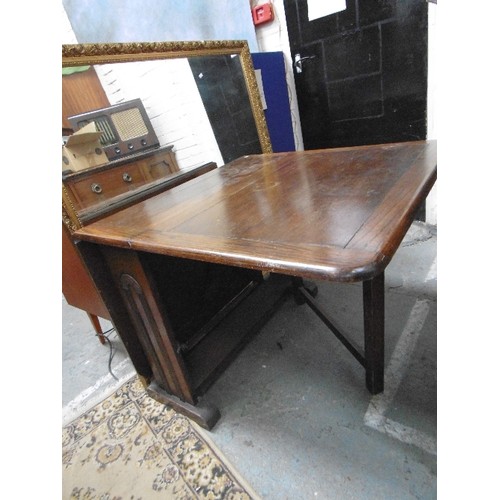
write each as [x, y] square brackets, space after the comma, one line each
[105, 185]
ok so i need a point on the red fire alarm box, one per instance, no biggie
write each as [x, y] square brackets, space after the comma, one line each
[262, 14]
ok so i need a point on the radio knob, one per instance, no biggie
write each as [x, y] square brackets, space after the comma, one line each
[144, 142]
[130, 146]
[127, 177]
[118, 150]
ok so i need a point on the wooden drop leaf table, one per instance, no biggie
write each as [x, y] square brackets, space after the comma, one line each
[189, 275]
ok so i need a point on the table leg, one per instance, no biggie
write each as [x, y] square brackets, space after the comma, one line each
[298, 283]
[373, 310]
[97, 327]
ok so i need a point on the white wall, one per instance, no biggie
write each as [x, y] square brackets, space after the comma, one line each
[67, 34]
[157, 20]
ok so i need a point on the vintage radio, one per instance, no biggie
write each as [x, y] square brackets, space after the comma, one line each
[126, 128]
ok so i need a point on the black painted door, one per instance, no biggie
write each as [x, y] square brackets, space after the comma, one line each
[360, 74]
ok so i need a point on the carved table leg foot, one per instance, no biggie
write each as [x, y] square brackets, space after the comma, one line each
[204, 415]
[97, 327]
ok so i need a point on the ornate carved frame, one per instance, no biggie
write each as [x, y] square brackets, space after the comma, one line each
[105, 53]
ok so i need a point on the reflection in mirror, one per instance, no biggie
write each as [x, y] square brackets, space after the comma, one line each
[198, 105]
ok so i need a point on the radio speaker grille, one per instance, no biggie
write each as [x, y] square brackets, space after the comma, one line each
[129, 124]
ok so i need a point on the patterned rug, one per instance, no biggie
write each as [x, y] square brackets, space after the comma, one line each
[129, 446]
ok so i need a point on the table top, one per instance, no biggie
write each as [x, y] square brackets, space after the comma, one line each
[335, 214]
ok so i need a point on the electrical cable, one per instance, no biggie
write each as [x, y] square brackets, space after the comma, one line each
[111, 350]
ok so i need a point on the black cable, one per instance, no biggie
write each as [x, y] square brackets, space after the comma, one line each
[111, 350]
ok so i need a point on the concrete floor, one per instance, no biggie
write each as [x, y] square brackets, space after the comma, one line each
[297, 421]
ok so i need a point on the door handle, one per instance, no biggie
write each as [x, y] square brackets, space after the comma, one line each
[297, 61]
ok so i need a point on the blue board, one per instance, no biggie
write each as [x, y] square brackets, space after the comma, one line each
[278, 116]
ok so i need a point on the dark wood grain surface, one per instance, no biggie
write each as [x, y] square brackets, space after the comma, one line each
[337, 214]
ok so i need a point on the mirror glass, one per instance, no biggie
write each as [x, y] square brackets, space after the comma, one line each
[206, 105]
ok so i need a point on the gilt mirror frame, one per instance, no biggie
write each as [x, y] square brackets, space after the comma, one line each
[105, 53]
